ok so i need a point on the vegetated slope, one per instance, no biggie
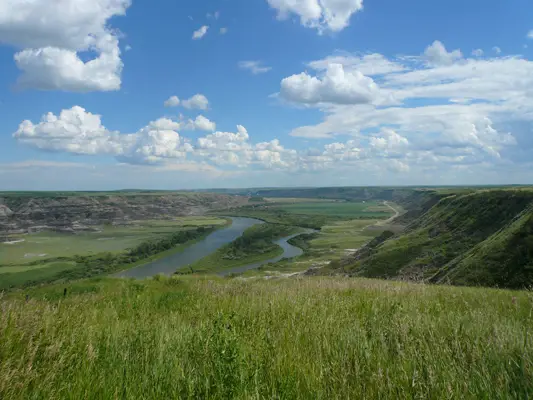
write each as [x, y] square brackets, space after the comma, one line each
[483, 238]
[308, 338]
[71, 213]
[505, 259]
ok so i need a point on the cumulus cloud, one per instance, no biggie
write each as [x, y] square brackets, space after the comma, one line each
[201, 123]
[80, 132]
[465, 116]
[323, 15]
[336, 86]
[497, 50]
[52, 68]
[388, 140]
[478, 52]
[172, 101]
[198, 101]
[200, 33]
[53, 34]
[255, 67]
[450, 111]
[74, 131]
[437, 55]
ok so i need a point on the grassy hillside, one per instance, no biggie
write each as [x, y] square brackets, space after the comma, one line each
[504, 259]
[319, 338]
[480, 238]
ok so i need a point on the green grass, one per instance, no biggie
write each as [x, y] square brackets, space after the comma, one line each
[217, 263]
[370, 209]
[313, 338]
[112, 239]
[24, 268]
[19, 276]
[479, 239]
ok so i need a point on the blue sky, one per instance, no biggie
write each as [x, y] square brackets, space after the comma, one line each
[267, 93]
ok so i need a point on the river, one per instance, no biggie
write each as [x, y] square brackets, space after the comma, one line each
[169, 265]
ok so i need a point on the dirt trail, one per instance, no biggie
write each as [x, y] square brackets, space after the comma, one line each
[396, 214]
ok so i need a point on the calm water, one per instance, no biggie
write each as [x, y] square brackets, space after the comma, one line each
[169, 265]
[195, 252]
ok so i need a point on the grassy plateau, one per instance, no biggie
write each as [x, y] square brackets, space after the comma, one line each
[308, 338]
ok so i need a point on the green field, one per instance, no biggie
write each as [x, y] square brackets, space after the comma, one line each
[108, 239]
[370, 209]
[331, 243]
[312, 338]
[75, 256]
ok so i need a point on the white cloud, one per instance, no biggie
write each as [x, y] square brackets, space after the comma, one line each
[388, 140]
[368, 64]
[200, 33]
[452, 120]
[255, 67]
[397, 166]
[478, 52]
[198, 101]
[172, 101]
[51, 68]
[452, 112]
[74, 131]
[336, 86]
[323, 15]
[201, 123]
[223, 31]
[497, 50]
[77, 131]
[437, 55]
[530, 34]
[52, 34]
[127, 47]
[80, 132]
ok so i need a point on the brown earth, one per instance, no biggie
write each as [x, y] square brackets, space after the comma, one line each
[76, 213]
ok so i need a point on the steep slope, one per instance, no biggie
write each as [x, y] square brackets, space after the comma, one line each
[481, 238]
[505, 259]
[34, 212]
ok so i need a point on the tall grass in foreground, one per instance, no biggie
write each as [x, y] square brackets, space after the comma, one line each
[300, 338]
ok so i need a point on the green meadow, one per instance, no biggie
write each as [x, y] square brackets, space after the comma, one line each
[308, 338]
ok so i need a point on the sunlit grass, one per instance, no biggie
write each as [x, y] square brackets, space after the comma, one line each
[313, 338]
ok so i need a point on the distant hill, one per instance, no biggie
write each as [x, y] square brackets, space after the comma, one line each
[484, 238]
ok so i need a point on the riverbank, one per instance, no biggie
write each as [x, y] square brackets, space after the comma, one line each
[169, 265]
[75, 267]
[258, 243]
